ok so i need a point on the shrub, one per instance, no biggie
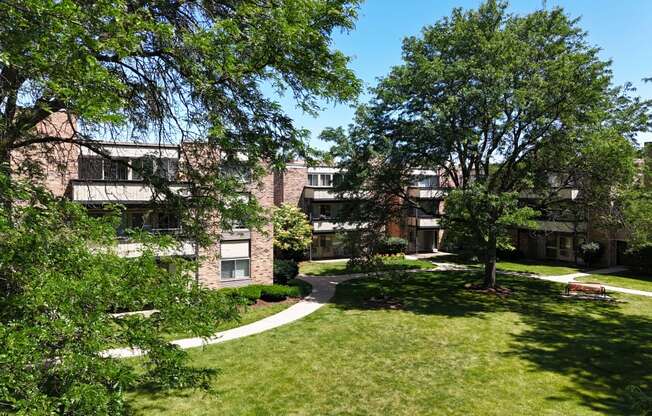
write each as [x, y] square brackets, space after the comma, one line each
[640, 260]
[275, 293]
[284, 271]
[304, 287]
[590, 252]
[509, 254]
[392, 245]
[251, 293]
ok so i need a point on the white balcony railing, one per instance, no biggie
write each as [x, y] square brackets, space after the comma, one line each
[564, 194]
[327, 225]
[424, 222]
[427, 193]
[106, 192]
[560, 226]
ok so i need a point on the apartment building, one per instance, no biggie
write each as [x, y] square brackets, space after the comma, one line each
[421, 223]
[242, 256]
[311, 189]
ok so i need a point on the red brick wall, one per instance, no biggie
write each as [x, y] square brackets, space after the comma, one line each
[289, 185]
[262, 245]
[57, 162]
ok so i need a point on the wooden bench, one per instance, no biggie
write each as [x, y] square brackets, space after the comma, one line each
[586, 287]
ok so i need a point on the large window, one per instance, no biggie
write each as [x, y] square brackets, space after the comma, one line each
[235, 269]
[235, 260]
[97, 168]
[429, 181]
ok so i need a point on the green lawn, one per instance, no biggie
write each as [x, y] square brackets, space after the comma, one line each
[248, 315]
[543, 268]
[314, 268]
[626, 280]
[525, 266]
[425, 345]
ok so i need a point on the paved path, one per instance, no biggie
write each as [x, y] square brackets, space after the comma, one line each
[323, 289]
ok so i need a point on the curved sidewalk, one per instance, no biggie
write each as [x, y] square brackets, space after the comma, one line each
[323, 289]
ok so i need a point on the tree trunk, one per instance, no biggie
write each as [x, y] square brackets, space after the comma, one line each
[490, 263]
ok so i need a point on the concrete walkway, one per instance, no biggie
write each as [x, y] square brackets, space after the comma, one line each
[323, 290]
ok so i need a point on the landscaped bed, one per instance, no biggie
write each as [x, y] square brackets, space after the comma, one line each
[628, 280]
[432, 347]
[330, 268]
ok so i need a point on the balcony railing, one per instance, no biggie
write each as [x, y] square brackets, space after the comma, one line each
[117, 191]
[424, 222]
[427, 193]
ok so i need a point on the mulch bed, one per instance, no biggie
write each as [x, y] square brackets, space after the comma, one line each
[262, 303]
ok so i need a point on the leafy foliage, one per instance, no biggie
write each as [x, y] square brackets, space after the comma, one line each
[591, 251]
[393, 245]
[60, 280]
[292, 231]
[499, 105]
[285, 270]
[203, 73]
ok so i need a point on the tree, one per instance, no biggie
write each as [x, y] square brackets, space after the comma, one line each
[192, 72]
[61, 283]
[490, 99]
[292, 231]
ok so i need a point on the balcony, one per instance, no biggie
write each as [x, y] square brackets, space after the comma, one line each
[129, 249]
[560, 226]
[116, 191]
[568, 194]
[424, 222]
[427, 193]
[329, 225]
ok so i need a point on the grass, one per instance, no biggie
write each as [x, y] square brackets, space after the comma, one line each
[541, 267]
[247, 316]
[313, 268]
[423, 344]
[629, 280]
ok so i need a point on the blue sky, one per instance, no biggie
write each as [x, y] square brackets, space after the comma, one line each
[622, 29]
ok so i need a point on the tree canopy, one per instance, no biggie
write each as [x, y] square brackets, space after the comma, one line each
[292, 231]
[495, 101]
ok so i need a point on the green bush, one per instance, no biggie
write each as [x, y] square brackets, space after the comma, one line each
[284, 271]
[304, 287]
[640, 260]
[392, 245]
[590, 252]
[275, 293]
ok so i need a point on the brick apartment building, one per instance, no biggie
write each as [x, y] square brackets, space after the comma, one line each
[556, 235]
[242, 256]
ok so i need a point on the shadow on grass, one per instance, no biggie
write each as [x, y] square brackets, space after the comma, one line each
[596, 345]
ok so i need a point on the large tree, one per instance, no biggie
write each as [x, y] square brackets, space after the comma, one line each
[493, 100]
[202, 73]
[167, 71]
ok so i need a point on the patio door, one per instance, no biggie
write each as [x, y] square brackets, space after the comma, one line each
[560, 247]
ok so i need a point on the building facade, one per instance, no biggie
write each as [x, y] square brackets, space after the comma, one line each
[241, 256]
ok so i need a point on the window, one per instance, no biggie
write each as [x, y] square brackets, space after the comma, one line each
[325, 211]
[142, 167]
[90, 168]
[115, 170]
[551, 246]
[313, 180]
[430, 181]
[326, 180]
[167, 221]
[235, 269]
[167, 168]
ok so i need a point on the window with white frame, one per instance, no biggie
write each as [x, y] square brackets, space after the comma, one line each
[429, 181]
[235, 262]
[313, 179]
